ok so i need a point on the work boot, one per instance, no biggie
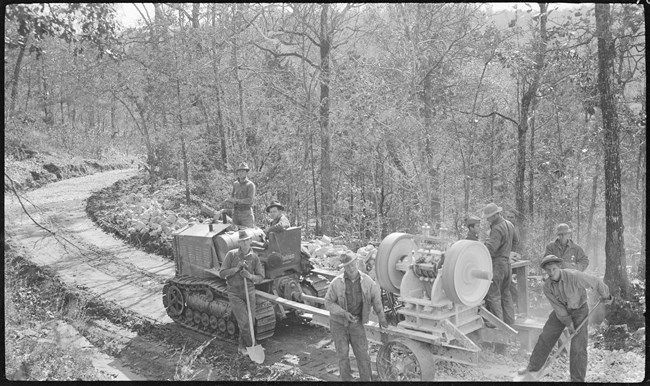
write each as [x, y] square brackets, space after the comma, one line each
[523, 370]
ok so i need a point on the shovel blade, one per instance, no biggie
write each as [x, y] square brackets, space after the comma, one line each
[256, 353]
[530, 376]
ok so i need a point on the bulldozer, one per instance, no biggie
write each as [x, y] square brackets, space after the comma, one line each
[196, 297]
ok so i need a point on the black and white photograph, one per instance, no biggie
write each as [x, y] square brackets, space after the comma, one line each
[325, 192]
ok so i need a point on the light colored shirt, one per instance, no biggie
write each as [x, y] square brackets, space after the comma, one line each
[243, 192]
[570, 292]
[233, 278]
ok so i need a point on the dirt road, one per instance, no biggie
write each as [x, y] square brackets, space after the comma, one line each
[87, 258]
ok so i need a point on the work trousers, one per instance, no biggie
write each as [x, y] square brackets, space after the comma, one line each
[243, 218]
[499, 297]
[550, 335]
[238, 304]
[355, 335]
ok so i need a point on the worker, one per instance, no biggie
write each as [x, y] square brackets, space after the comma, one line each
[242, 197]
[565, 289]
[279, 222]
[500, 243]
[349, 299]
[239, 265]
[473, 224]
[563, 247]
[515, 255]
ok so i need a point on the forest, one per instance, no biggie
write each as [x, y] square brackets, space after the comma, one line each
[362, 119]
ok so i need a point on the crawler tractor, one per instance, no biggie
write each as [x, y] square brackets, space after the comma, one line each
[196, 297]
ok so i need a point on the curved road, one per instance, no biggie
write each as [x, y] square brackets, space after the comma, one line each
[107, 267]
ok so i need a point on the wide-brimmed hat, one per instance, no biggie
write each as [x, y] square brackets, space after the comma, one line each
[550, 259]
[347, 258]
[243, 166]
[471, 220]
[244, 235]
[562, 228]
[276, 204]
[491, 209]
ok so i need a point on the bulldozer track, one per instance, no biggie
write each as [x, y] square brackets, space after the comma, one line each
[205, 308]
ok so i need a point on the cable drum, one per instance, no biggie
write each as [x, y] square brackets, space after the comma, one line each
[467, 272]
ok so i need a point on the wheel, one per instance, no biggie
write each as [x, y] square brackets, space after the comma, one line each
[173, 301]
[221, 325]
[209, 295]
[465, 272]
[205, 320]
[391, 250]
[231, 327]
[197, 317]
[307, 289]
[214, 322]
[189, 316]
[405, 360]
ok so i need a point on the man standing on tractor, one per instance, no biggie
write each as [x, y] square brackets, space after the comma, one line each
[500, 243]
[565, 289]
[239, 265]
[472, 223]
[572, 255]
[349, 299]
[242, 197]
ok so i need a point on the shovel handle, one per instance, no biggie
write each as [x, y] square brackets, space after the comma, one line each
[550, 360]
[250, 316]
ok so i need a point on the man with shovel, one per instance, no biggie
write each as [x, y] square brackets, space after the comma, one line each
[349, 299]
[242, 269]
[566, 291]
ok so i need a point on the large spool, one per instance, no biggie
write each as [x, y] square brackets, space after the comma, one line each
[467, 272]
[392, 250]
[227, 241]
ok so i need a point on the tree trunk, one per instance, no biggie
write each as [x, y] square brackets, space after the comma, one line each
[590, 219]
[45, 93]
[16, 78]
[221, 131]
[195, 15]
[526, 103]
[240, 134]
[326, 171]
[317, 231]
[615, 275]
[531, 167]
[433, 181]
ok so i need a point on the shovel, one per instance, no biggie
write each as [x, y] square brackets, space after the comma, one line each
[537, 375]
[255, 353]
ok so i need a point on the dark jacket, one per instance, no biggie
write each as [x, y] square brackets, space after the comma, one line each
[471, 236]
[574, 257]
[502, 239]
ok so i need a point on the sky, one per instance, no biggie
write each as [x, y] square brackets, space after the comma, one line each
[128, 15]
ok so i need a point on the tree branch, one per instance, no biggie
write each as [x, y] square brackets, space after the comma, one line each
[287, 54]
[487, 115]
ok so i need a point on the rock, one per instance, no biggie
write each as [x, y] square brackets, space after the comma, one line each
[171, 219]
[167, 204]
